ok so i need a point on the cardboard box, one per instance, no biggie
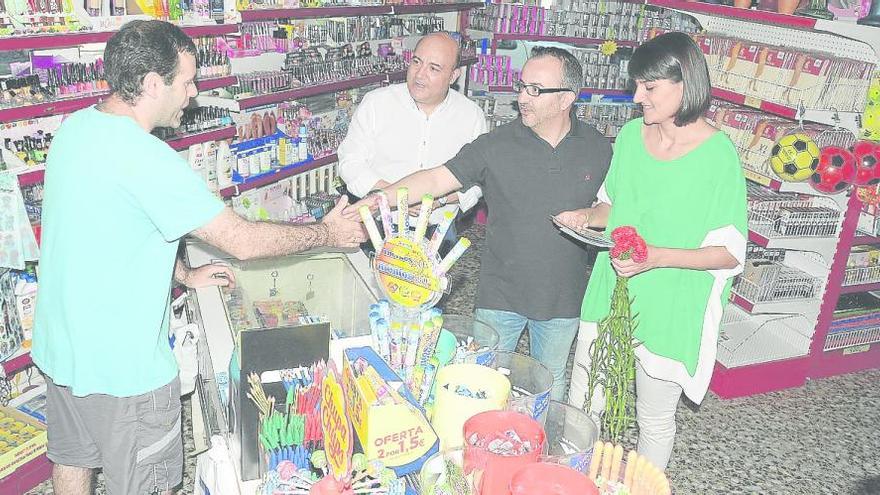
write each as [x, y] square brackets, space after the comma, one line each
[397, 434]
[25, 451]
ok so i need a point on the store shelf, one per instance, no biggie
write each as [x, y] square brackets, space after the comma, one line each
[292, 94]
[846, 120]
[793, 306]
[729, 383]
[851, 289]
[215, 82]
[591, 91]
[16, 364]
[847, 360]
[185, 142]
[761, 16]
[55, 107]
[270, 178]
[571, 40]
[825, 246]
[319, 12]
[862, 240]
[27, 476]
[40, 41]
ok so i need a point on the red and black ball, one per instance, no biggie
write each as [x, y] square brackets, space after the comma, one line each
[835, 171]
[867, 161]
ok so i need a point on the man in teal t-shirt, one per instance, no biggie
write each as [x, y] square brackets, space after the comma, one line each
[117, 201]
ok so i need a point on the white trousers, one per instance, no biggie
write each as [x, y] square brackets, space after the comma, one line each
[656, 401]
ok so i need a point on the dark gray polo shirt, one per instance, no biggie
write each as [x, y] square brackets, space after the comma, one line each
[528, 266]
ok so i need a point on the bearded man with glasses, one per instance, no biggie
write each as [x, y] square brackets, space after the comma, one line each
[541, 164]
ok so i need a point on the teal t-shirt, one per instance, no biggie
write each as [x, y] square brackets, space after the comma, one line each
[673, 204]
[116, 201]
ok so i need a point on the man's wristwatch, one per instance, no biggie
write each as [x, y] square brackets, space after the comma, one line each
[442, 200]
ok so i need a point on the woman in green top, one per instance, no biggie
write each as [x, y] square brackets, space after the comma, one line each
[679, 182]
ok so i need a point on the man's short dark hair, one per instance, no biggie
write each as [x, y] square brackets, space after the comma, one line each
[572, 73]
[675, 56]
[139, 48]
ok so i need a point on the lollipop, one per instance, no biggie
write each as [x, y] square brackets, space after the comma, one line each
[319, 460]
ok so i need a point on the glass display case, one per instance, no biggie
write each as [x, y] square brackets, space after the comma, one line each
[283, 313]
[298, 290]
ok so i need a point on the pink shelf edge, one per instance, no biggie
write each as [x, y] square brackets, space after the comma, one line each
[767, 106]
[31, 178]
[228, 192]
[762, 16]
[27, 476]
[215, 82]
[313, 12]
[862, 240]
[185, 142]
[57, 40]
[17, 363]
[575, 40]
[849, 289]
[48, 108]
[729, 383]
[834, 363]
[255, 101]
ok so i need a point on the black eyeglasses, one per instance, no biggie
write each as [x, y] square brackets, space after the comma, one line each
[533, 90]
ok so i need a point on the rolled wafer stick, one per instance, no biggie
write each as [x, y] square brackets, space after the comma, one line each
[615, 463]
[630, 468]
[385, 214]
[607, 453]
[372, 229]
[403, 212]
[422, 220]
[596, 461]
[638, 476]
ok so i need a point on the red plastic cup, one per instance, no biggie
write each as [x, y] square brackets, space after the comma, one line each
[498, 470]
[551, 479]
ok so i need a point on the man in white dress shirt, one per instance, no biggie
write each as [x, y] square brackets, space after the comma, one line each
[406, 127]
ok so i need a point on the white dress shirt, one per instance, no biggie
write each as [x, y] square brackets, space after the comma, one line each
[390, 138]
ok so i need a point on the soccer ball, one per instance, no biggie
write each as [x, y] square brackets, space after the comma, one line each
[836, 170]
[867, 159]
[794, 157]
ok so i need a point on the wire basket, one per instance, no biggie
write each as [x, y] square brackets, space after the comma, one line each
[757, 157]
[790, 217]
[828, 96]
[861, 275]
[850, 338]
[769, 282]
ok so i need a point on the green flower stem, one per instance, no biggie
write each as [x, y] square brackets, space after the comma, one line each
[612, 364]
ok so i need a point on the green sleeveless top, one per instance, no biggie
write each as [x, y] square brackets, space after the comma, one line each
[673, 204]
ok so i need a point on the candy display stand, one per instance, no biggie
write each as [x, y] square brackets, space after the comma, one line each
[499, 443]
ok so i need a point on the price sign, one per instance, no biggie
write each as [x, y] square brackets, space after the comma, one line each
[406, 273]
[401, 442]
[338, 440]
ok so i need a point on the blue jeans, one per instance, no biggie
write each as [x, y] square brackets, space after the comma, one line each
[549, 340]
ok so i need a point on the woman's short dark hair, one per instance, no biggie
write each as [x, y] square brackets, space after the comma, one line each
[675, 56]
[139, 48]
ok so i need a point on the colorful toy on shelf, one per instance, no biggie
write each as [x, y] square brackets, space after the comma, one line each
[836, 170]
[794, 157]
[871, 122]
[867, 160]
